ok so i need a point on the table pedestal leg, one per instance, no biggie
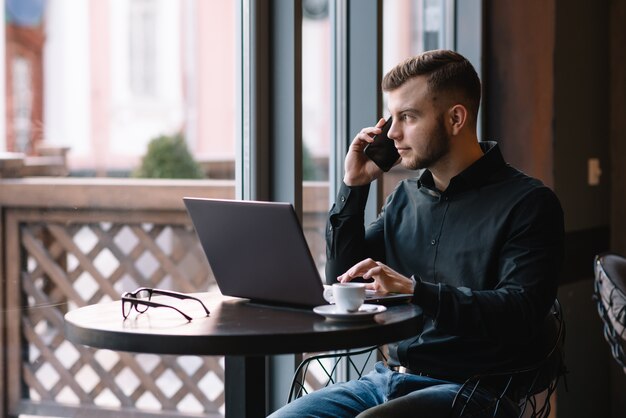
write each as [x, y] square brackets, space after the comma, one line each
[244, 386]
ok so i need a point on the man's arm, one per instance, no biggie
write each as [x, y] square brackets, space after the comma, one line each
[346, 240]
[345, 229]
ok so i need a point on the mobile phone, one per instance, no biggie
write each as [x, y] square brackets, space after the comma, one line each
[383, 150]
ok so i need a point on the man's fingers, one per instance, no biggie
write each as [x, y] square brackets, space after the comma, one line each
[381, 122]
[385, 279]
[373, 272]
[367, 134]
[357, 270]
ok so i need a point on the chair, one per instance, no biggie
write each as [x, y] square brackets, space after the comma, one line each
[610, 296]
[323, 369]
[531, 384]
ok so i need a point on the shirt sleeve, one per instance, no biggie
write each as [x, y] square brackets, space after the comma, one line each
[528, 268]
[347, 243]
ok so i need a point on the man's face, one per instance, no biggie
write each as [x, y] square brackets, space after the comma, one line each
[418, 127]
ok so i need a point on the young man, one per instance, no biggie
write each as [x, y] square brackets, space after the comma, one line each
[477, 242]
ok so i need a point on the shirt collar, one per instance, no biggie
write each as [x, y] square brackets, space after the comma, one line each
[474, 176]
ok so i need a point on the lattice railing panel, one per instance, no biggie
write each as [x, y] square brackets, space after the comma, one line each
[71, 264]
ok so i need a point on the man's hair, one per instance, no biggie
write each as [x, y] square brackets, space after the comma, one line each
[447, 72]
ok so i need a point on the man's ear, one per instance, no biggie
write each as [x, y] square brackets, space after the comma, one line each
[457, 117]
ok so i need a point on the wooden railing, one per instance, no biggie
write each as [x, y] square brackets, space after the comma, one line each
[68, 242]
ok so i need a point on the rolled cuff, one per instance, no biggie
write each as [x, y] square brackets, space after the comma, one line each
[351, 200]
[426, 296]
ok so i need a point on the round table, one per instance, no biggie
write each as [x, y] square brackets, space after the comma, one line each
[243, 332]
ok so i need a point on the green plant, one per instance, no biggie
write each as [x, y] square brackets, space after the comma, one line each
[168, 158]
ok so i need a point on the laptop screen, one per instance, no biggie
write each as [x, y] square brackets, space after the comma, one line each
[257, 250]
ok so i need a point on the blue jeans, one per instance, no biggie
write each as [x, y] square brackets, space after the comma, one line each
[386, 393]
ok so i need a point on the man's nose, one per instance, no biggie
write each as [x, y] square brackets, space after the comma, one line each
[394, 133]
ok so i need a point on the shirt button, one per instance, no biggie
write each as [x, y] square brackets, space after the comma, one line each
[342, 198]
[433, 242]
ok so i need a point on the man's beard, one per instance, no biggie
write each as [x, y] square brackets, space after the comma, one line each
[438, 147]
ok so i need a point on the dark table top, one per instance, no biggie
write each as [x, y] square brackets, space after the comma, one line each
[234, 327]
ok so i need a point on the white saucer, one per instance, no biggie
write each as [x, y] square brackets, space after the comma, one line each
[366, 311]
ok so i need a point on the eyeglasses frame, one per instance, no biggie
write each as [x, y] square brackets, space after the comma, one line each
[134, 300]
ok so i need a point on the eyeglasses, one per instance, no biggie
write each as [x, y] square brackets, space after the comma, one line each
[140, 299]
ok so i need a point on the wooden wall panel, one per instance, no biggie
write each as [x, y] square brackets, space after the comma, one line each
[618, 170]
[519, 85]
[618, 125]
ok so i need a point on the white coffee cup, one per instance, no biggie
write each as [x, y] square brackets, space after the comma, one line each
[348, 297]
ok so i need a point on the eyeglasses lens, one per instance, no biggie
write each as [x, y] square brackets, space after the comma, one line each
[127, 306]
[145, 295]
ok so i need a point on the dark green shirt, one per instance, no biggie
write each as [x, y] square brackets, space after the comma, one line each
[486, 254]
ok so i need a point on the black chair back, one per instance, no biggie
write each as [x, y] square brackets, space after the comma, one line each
[331, 368]
[610, 297]
[534, 378]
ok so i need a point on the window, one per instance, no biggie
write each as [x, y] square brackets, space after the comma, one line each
[316, 123]
[111, 76]
[414, 26]
[142, 47]
[22, 103]
[134, 70]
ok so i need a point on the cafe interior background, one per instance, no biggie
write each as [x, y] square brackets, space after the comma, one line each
[262, 97]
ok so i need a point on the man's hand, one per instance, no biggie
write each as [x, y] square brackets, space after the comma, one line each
[386, 280]
[360, 170]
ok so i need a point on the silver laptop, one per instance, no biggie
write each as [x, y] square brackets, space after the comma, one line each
[257, 250]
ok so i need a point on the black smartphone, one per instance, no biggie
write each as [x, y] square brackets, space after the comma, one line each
[383, 150]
